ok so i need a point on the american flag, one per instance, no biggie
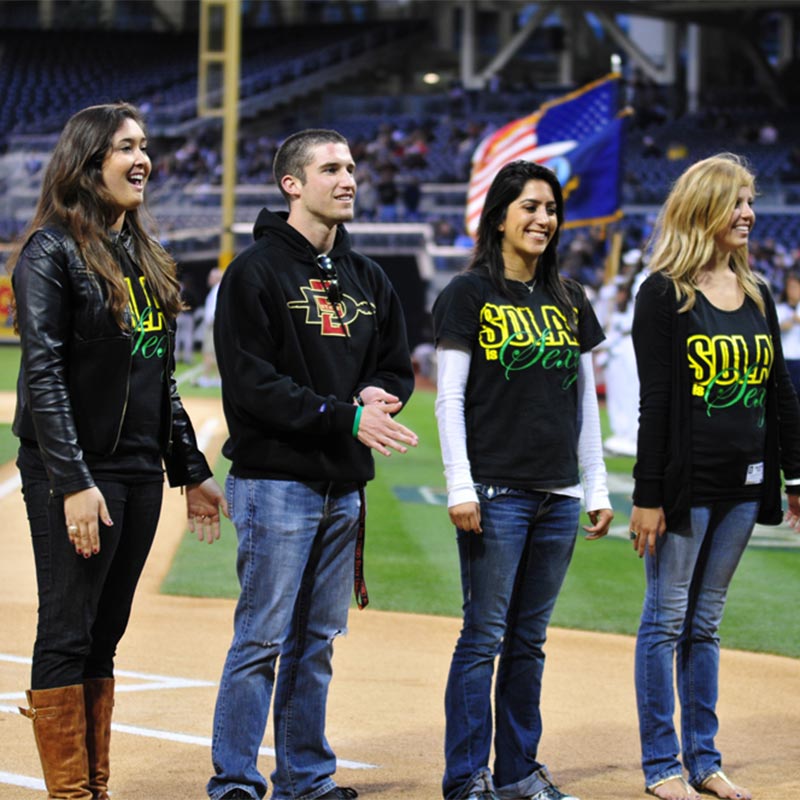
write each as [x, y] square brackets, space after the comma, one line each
[552, 135]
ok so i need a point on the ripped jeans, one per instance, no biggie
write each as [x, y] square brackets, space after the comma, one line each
[295, 566]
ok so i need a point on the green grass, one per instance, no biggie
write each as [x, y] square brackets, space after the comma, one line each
[411, 562]
[8, 443]
[9, 367]
[203, 570]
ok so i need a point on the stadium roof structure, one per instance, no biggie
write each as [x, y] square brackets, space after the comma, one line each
[678, 10]
[739, 18]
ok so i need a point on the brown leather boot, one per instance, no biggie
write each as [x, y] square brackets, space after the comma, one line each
[59, 726]
[99, 695]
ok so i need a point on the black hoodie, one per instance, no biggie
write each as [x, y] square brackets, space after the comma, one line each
[291, 365]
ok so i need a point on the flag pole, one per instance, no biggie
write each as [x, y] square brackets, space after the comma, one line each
[614, 254]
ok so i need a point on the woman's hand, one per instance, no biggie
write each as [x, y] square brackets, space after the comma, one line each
[203, 504]
[792, 516]
[647, 524]
[600, 519]
[81, 511]
[466, 517]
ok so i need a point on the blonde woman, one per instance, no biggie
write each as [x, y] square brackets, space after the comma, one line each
[718, 421]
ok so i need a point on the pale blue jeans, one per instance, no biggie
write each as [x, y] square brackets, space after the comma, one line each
[295, 565]
[687, 584]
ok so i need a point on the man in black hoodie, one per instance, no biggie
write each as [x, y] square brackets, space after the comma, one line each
[312, 351]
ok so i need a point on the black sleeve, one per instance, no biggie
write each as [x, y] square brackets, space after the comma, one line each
[184, 462]
[42, 290]
[456, 312]
[788, 405]
[590, 332]
[653, 342]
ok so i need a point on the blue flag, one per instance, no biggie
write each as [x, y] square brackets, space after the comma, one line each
[579, 136]
[589, 175]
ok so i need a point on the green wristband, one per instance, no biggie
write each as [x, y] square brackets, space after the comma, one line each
[357, 420]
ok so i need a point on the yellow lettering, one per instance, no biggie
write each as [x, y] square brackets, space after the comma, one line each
[765, 355]
[725, 358]
[700, 352]
[560, 333]
[147, 319]
[494, 327]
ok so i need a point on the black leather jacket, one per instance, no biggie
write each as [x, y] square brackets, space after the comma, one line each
[73, 384]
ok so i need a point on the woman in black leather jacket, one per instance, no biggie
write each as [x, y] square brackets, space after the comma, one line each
[98, 417]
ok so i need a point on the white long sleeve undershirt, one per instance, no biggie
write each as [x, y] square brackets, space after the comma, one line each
[452, 372]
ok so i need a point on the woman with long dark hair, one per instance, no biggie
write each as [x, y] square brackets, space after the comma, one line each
[718, 421]
[518, 424]
[98, 417]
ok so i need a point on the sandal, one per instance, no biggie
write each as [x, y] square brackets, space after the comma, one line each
[690, 792]
[719, 774]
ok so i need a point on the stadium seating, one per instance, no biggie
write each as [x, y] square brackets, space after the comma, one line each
[51, 77]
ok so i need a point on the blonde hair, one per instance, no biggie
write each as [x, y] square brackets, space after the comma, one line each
[698, 207]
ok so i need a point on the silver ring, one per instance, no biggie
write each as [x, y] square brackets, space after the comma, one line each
[72, 528]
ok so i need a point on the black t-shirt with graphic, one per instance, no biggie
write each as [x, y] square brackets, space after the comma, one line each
[729, 356]
[521, 398]
[138, 452]
[137, 456]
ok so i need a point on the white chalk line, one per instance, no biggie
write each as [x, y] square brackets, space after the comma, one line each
[150, 682]
[22, 780]
[10, 485]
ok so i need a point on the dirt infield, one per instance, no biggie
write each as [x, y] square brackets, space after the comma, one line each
[385, 715]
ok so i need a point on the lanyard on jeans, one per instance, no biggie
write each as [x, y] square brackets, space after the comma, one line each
[359, 584]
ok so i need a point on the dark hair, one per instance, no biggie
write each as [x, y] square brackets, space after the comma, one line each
[294, 153]
[74, 197]
[506, 187]
[792, 275]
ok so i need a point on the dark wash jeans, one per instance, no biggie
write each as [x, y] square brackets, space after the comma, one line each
[85, 603]
[511, 575]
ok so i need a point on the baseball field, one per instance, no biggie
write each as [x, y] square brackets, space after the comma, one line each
[386, 710]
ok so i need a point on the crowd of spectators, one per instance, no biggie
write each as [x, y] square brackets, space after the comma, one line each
[394, 161]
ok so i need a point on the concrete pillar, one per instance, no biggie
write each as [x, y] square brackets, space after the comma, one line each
[46, 12]
[445, 25]
[786, 33]
[467, 49]
[694, 54]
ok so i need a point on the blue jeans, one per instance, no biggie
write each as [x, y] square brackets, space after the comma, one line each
[85, 603]
[295, 564]
[511, 575]
[687, 583]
